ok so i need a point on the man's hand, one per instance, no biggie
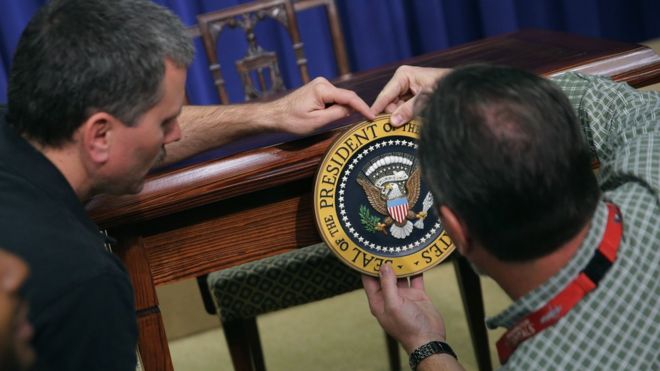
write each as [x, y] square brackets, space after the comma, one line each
[403, 310]
[399, 94]
[314, 105]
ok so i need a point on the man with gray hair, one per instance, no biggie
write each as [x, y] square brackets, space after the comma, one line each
[96, 93]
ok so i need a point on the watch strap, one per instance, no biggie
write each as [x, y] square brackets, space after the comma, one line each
[429, 349]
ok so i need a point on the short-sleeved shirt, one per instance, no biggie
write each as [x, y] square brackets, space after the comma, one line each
[80, 297]
[616, 326]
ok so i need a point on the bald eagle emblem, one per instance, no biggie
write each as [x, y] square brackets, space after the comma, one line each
[392, 186]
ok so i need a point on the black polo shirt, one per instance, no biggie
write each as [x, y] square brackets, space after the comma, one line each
[80, 296]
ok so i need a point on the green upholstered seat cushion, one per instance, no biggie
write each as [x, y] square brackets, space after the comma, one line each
[297, 277]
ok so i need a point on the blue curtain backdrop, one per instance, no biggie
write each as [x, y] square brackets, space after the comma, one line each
[378, 31]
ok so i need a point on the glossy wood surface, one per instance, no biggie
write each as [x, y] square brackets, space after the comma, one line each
[192, 220]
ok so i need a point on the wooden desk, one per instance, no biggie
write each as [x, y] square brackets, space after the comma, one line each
[196, 219]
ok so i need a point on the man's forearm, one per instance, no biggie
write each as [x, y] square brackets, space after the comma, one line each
[301, 112]
[620, 123]
[207, 127]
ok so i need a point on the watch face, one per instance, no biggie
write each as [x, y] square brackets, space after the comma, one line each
[372, 205]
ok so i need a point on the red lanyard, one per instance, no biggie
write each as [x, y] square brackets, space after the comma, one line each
[564, 301]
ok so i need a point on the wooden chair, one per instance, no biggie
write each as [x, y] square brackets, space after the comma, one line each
[192, 32]
[257, 61]
[239, 294]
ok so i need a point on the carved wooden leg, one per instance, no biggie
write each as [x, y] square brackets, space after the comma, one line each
[152, 341]
[468, 282]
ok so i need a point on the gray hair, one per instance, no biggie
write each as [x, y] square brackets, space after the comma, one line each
[77, 57]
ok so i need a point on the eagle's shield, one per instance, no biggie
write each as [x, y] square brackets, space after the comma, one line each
[398, 209]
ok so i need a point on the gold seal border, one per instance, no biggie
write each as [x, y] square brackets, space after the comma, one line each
[328, 222]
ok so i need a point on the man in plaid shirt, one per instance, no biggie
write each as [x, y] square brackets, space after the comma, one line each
[509, 165]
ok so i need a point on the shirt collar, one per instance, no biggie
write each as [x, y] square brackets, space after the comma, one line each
[542, 294]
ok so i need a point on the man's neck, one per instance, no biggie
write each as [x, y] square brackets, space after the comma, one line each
[517, 279]
[67, 161]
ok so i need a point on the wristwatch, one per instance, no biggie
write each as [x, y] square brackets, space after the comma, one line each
[429, 349]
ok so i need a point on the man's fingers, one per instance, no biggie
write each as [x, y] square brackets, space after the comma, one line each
[392, 107]
[372, 289]
[404, 113]
[371, 285]
[397, 86]
[417, 282]
[388, 284]
[348, 99]
[332, 113]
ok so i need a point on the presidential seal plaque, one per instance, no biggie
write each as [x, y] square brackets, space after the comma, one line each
[371, 204]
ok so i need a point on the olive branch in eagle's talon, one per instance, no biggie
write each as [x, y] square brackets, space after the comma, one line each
[371, 222]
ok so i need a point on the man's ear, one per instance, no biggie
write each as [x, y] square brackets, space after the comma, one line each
[96, 134]
[456, 230]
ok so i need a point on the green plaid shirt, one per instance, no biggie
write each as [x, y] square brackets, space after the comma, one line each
[615, 327]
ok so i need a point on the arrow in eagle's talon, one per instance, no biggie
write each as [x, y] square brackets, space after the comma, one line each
[381, 227]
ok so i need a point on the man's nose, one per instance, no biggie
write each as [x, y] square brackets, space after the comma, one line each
[174, 134]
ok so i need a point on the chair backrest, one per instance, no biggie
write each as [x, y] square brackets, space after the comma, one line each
[192, 32]
[335, 29]
[257, 60]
